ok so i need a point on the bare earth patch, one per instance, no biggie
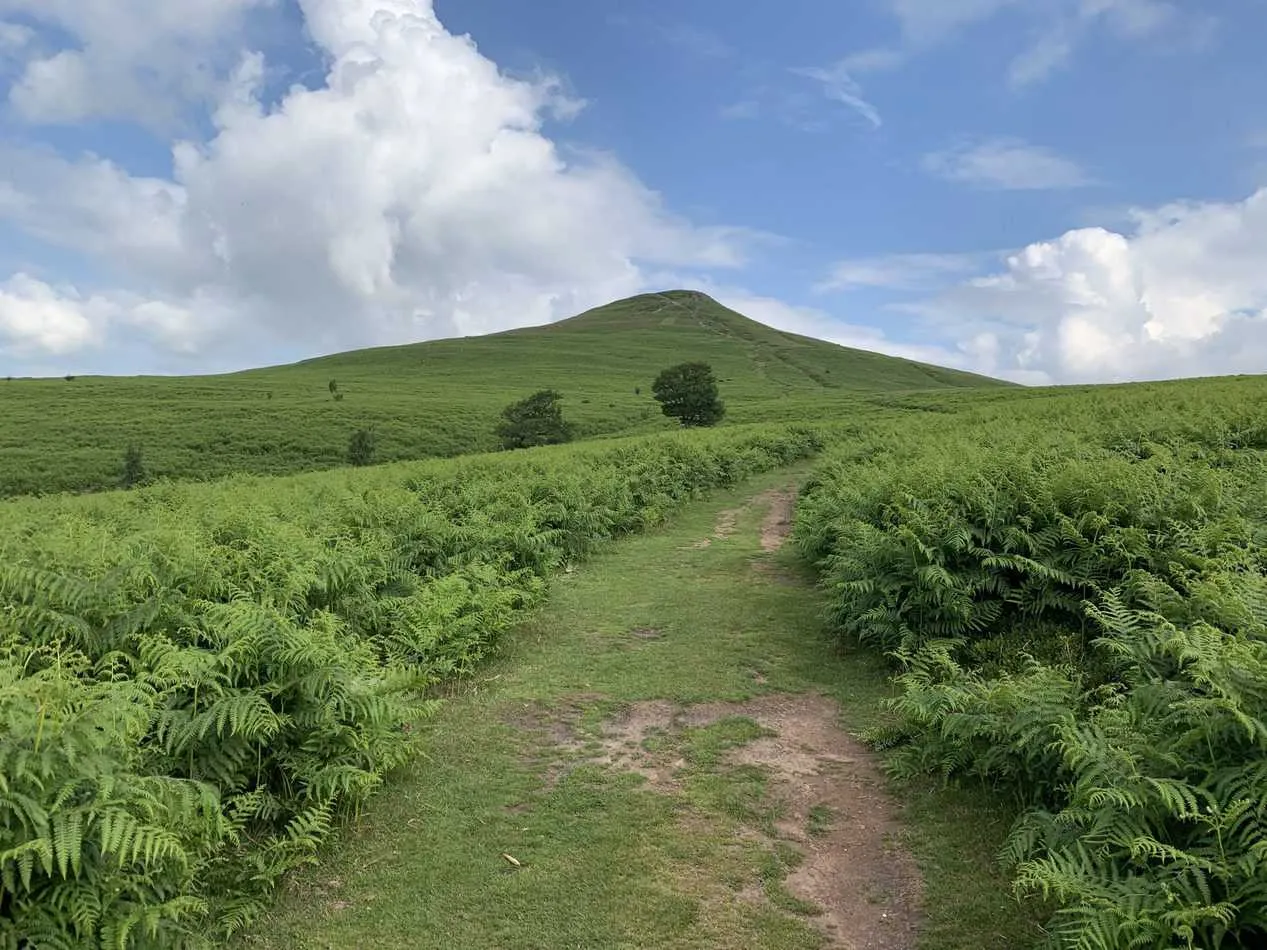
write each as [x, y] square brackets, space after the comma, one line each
[778, 520]
[779, 502]
[835, 810]
[868, 887]
[722, 529]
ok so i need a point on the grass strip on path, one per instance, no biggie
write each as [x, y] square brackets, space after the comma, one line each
[656, 760]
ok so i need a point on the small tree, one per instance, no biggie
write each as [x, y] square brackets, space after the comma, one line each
[537, 420]
[334, 387]
[133, 467]
[361, 447]
[688, 392]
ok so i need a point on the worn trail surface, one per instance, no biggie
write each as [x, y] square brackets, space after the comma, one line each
[657, 759]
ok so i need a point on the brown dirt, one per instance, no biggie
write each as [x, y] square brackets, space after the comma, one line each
[778, 520]
[868, 888]
[779, 502]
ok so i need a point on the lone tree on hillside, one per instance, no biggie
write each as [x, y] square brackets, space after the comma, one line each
[133, 467]
[688, 393]
[361, 447]
[537, 420]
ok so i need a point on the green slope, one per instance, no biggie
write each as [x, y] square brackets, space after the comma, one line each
[430, 399]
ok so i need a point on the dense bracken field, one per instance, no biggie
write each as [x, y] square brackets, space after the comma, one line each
[1072, 590]
[198, 681]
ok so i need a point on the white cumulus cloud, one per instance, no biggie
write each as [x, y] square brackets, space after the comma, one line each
[37, 318]
[1183, 294]
[127, 59]
[414, 194]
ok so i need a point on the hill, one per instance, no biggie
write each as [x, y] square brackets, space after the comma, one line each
[437, 398]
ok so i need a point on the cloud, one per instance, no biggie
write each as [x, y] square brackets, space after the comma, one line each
[927, 22]
[1049, 52]
[1057, 39]
[820, 324]
[1058, 26]
[1006, 163]
[413, 195]
[128, 59]
[1184, 293]
[897, 271]
[839, 86]
[14, 38]
[873, 60]
[36, 318]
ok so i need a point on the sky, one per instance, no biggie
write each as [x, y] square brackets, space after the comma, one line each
[1049, 191]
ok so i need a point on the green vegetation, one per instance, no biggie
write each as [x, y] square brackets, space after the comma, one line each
[610, 859]
[361, 445]
[441, 398]
[1073, 592]
[537, 420]
[133, 467]
[198, 681]
[1046, 610]
[688, 393]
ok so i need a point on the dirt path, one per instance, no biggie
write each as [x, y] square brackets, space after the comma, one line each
[656, 760]
[864, 888]
[832, 808]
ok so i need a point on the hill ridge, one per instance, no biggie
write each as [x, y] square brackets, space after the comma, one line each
[438, 397]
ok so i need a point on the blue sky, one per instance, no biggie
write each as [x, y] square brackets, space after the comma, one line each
[1047, 190]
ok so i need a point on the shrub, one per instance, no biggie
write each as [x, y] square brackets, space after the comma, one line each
[133, 467]
[361, 446]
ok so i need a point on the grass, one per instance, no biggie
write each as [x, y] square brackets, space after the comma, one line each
[607, 858]
[439, 398]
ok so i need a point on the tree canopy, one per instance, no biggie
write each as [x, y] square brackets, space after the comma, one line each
[536, 420]
[688, 393]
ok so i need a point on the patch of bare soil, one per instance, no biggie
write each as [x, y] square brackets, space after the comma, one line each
[835, 808]
[723, 528]
[777, 524]
[838, 815]
[779, 502]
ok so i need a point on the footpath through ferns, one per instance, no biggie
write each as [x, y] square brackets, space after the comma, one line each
[656, 759]
[198, 681]
[1060, 598]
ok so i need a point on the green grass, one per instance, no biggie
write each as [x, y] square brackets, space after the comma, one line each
[439, 398]
[607, 860]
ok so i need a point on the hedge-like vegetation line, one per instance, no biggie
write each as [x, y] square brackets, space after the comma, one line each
[1073, 592]
[197, 681]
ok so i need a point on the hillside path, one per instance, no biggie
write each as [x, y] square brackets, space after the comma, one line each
[657, 759]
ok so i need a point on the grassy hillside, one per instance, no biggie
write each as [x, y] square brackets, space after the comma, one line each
[438, 398]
